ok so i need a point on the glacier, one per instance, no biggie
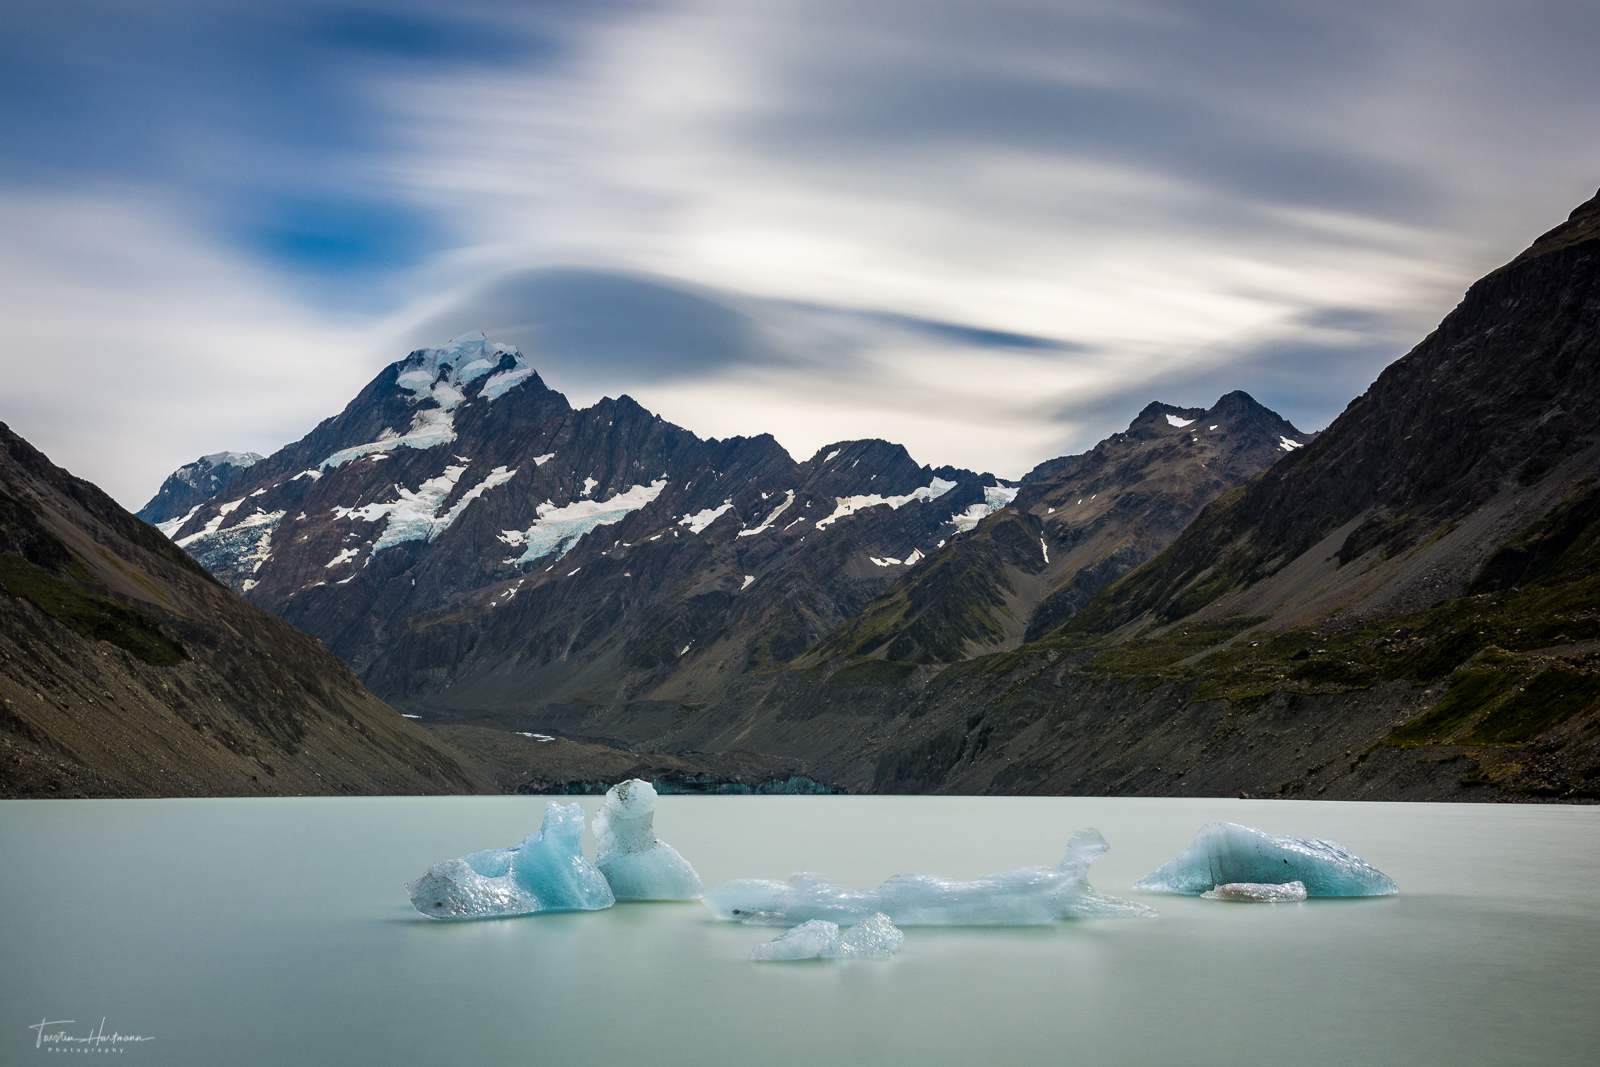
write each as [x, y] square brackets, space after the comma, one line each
[547, 872]
[873, 938]
[995, 497]
[1225, 852]
[1031, 896]
[557, 529]
[414, 515]
[637, 864]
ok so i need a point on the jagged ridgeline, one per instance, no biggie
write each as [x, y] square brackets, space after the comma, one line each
[127, 670]
[470, 543]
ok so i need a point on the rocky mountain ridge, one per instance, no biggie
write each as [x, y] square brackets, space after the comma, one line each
[466, 540]
[1076, 525]
[193, 484]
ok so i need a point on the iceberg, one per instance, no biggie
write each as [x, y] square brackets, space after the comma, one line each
[547, 872]
[1258, 892]
[1031, 896]
[637, 864]
[1225, 853]
[873, 938]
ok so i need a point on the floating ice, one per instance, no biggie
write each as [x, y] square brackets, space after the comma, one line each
[1258, 892]
[1031, 896]
[1225, 852]
[547, 872]
[873, 938]
[639, 865]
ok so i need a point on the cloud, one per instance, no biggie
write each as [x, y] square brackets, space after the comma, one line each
[131, 346]
[990, 230]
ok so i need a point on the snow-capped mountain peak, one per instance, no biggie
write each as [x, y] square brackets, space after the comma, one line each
[442, 374]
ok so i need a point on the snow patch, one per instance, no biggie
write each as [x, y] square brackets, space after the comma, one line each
[1173, 420]
[172, 526]
[915, 557]
[829, 456]
[588, 486]
[345, 556]
[557, 529]
[701, 519]
[995, 497]
[212, 524]
[747, 580]
[539, 461]
[1289, 445]
[766, 523]
[887, 561]
[849, 505]
[415, 515]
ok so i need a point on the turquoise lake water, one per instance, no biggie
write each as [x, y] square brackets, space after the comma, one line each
[278, 932]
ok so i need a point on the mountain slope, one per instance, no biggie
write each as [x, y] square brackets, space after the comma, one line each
[1076, 525]
[1477, 432]
[126, 670]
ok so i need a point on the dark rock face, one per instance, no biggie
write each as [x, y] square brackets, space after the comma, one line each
[127, 670]
[193, 484]
[1076, 525]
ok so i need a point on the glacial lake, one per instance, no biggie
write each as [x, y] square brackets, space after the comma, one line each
[277, 932]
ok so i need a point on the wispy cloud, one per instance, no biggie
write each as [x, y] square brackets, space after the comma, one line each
[992, 231]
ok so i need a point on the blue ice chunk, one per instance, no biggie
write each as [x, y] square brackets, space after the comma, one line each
[639, 865]
[547, 872]
[873, 938]
[1225, 852]
[1031, 896]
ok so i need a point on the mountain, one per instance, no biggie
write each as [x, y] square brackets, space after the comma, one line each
[463, 538]
[1406, 608]
[193, 484]
[473, 546]
[1076, 525]
[127, 670]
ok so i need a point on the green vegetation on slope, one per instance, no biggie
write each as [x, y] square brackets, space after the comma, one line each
[953, 598]
[95, 617]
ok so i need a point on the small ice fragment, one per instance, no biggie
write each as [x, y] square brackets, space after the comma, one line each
[1031, 896]
[1225, 852]
[639, 865]
[547, 872]
[808, 941]
[873, 938]
[1258, 892]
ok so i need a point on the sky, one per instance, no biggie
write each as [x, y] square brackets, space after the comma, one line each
[991, 230]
